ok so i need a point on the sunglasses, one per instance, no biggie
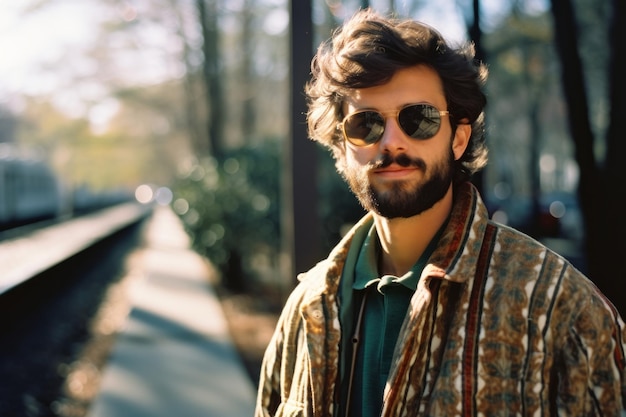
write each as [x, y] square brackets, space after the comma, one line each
[366, 127]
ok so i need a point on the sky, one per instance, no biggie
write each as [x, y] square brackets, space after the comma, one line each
[44, 54]
[41, 37]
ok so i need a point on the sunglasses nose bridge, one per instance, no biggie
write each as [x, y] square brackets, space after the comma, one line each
[393, 135]
[390, 114]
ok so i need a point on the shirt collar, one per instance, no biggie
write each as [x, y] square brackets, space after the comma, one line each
[366, 268]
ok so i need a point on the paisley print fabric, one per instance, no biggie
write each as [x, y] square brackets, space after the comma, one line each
[498, 326]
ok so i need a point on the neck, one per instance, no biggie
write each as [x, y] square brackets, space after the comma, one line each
[404, 240]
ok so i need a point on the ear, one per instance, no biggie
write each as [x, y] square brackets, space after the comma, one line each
[461, 139]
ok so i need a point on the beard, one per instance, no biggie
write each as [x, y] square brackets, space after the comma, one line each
[403, 198]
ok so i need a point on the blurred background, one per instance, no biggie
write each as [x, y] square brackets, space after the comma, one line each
[198, 104]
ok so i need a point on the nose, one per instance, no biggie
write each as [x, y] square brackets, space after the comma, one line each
[394, 139]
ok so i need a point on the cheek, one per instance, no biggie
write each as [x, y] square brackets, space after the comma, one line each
[360, 156]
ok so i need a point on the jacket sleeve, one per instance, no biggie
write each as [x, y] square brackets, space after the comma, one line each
[268, 396]
[593, 376]
[275, 376]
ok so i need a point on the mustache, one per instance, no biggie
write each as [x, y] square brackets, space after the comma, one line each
[402, 159]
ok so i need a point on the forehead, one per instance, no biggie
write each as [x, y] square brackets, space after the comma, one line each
[418, 84]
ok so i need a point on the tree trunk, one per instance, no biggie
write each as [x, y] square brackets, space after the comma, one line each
[193, 119]
[207, 12]
[248, 114]
[614, 172]
[476, 36]
[590, 191]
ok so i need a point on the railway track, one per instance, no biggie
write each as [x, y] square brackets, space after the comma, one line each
[52, 281]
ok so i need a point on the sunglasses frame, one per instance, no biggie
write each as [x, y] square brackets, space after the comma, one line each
[386, 115]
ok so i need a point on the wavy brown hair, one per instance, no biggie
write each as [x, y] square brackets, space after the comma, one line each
[367, 51]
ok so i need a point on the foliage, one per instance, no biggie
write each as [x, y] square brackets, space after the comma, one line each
[231, 210]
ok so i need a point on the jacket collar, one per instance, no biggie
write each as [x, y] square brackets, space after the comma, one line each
[455, 257]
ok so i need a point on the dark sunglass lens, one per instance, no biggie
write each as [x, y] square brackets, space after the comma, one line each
[364, 128]
[420, 121]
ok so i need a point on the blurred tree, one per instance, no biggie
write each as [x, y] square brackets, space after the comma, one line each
[531, 155]
[231, 210]
[529, 38]
[614, 173]
[601, 188]
[194, 103]
[207, 14]
[566, 34]
[156, 118]
[248, 114]
[125, 125]
[476, 36]
[251, 64]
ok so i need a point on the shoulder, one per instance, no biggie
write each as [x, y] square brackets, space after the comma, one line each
[519, 254]
[572, 297]
[518, 262]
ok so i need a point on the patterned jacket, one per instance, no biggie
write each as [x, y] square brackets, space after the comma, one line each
[498, 326]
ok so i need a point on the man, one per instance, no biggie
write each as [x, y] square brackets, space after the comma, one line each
[427, 307]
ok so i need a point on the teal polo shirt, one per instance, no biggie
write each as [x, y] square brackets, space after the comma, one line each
[387, 303]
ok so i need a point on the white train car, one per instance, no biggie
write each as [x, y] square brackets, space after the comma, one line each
[29, 190]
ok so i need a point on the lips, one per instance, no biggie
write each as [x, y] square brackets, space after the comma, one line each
[394, 170]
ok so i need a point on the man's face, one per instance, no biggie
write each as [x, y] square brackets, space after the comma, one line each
[399, 176]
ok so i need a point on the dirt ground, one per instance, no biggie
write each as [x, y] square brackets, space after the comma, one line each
[251, 321]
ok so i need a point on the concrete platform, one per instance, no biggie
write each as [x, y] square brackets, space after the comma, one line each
[175, 356]
[54, 244]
